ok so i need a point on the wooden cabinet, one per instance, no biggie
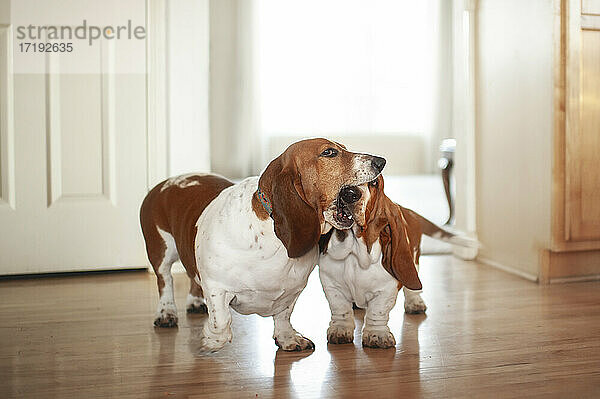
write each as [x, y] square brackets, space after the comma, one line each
[575, 249]
[582, 167]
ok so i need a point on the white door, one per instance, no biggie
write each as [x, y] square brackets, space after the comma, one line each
[73, 158]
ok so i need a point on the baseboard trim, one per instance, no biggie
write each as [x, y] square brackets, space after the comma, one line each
[569, 267]
[508, 269]
[581, 279]
[71, 274]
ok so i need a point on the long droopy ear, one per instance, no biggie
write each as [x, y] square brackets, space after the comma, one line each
[397, 253]
[296, 222]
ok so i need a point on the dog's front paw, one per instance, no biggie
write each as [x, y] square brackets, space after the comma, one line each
[210, 342]
[414, 304]
[195, 304]
[166, 318]
[378, 338]
[337, 334]
[193, 308]
[292, 341]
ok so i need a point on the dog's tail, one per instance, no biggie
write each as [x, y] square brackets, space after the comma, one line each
[434, 231]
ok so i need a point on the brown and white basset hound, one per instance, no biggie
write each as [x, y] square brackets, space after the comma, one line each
[252, 245]
[369, 263]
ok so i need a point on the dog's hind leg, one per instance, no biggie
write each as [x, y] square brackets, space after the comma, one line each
[166, 312]
[195, 299]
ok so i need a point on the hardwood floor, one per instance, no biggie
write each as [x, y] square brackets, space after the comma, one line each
[486, 334]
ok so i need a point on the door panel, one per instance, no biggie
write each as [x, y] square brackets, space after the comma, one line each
[590, 7]
[78, 146]
[590, 127]
[88, 219]
[76, 138]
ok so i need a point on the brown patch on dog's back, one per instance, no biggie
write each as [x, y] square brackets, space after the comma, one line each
[175, 208]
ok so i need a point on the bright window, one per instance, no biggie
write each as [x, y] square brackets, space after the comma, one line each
[344, 66]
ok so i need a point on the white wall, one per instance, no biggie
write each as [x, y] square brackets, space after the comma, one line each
[4, 11]
[188, 85]
[514, 131]
[235, 144]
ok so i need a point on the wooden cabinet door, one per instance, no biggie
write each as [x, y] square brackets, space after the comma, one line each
[582, 158]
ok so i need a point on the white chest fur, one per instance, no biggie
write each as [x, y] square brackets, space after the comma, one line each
[241, 253]
[350, 269]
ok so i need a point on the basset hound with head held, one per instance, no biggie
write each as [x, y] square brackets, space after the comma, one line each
[369, 263]
[252, 245]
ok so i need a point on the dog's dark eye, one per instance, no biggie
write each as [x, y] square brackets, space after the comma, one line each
[373, 183]
[329, 153]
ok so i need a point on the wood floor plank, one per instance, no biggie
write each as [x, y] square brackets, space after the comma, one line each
[486, 334]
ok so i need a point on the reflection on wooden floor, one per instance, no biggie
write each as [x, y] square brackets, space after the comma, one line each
[486, 333]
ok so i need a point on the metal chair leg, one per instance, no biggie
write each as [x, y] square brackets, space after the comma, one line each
[446, 164]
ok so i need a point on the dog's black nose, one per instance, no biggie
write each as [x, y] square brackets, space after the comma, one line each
[350, 195]
[378, 163]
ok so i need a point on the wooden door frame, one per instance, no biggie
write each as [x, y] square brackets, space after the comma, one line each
[465, 123]
[157, 92]
[7, 132]
[177, 83]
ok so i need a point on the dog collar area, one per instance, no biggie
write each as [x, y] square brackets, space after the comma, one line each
[265, 202]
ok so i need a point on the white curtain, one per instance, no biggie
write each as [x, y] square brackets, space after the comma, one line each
[292, 68]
